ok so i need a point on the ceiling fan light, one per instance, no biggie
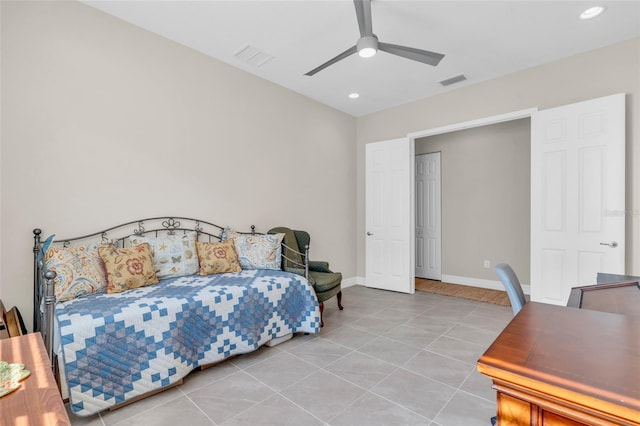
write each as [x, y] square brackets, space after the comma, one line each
[367, 46]
[367, 52]
[592, 12]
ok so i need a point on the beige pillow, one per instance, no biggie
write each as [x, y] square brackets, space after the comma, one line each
[128, 268]
[217, 258]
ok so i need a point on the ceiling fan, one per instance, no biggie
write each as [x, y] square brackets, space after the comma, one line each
[368, 43]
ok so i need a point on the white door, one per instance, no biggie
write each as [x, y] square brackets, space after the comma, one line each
[390, 215]
[428, 219]
[577, 196]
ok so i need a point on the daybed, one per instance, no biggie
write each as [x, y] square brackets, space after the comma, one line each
[121, 338]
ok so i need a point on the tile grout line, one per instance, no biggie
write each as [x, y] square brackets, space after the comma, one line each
[200, 409]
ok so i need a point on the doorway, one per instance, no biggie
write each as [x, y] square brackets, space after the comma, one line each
[481, 167]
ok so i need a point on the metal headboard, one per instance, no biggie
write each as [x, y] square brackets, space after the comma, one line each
[43, 281]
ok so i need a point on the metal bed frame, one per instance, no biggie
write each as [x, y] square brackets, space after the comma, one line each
[44, 298]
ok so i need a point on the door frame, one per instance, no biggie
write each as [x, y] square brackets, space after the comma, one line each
[485, 121]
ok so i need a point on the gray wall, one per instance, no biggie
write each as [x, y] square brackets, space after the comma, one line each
[485, 197]
[104, 122]
[601, 72]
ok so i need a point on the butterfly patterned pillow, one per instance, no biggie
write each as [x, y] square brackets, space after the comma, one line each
[173, 255]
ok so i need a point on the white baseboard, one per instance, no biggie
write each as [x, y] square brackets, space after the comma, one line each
[451, 279]
[479, 282]
[349, 282]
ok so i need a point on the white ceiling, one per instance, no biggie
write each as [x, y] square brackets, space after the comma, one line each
[481, 39]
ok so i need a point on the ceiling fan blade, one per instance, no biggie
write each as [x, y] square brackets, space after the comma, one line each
[350, 51]
[424, 56]
[363, 12]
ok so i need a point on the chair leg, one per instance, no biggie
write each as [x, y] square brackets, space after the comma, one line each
[321, 311]
[339, 295]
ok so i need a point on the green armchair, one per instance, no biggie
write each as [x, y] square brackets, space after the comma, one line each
[325, 282]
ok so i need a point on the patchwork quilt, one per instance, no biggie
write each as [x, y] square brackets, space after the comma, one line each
[118, 346]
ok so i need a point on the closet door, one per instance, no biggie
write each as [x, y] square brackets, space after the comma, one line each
[577, 196]
[390, 215]
[428, 217]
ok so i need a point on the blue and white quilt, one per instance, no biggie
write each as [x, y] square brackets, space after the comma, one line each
[118, 346]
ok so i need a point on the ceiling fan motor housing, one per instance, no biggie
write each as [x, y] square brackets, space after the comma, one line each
[367, 46]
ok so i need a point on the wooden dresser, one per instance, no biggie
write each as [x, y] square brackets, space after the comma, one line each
[554, 365]
[37, 401]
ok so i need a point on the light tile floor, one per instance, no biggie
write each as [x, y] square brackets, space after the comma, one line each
[387, 359]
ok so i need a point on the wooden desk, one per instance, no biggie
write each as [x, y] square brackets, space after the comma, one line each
[37, 401]
[554, 365]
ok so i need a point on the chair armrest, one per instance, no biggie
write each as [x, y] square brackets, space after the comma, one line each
[319, 266]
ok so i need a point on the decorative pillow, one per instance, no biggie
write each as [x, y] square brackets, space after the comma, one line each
[228, 233]
[217, 258]
[128, 268]
[79, 271]
[259, 251]
[173, 255]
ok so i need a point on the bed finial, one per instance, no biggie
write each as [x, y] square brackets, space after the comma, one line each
[253, 229]
[36, 239]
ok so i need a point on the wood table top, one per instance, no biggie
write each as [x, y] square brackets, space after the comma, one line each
[574, 354]
[37, 401]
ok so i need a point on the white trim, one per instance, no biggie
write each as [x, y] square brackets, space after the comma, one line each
[412, 215]
[350, 282]
[494, 119]
[450, 279]
[478, 282]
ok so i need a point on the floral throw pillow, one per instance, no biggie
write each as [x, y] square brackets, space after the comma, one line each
[128, 268]
[217, 258]
[259, 251]
[79, 271]
[173, 255]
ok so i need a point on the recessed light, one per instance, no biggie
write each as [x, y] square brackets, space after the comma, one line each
[354, 95]
[592, 12]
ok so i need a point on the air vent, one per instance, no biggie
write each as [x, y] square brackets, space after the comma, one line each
[253, 56]
[453, 80]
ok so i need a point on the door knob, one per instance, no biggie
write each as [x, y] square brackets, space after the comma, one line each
[369, 234]
[612, 244]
